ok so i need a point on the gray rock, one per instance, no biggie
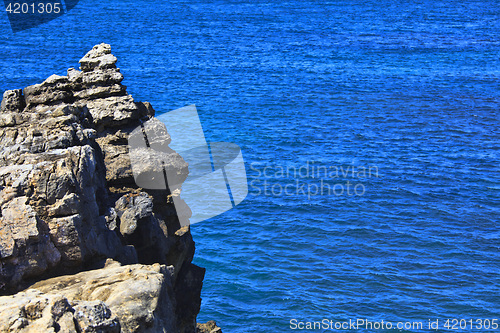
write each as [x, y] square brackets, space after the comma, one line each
[95, 317]
[55, 89]
[208, 327]
[113, 111]
[140, 296]
[95, 77]
[13, 101]
[33, 311]
[69, 201]
[65, 234]
[133, 210]
[95, 91]
[68, 205]
[21, 219]
[99, 57]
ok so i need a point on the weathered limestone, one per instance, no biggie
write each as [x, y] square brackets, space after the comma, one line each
[133, 298]
[69, 202]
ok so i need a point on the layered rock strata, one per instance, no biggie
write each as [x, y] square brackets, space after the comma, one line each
[69, 203]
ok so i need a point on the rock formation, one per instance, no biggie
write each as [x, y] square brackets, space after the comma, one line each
[69, 203]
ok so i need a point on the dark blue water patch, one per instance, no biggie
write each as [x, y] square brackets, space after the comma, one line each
[410, 88]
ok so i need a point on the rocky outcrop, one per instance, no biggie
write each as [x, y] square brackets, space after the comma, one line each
[69, 202]
[208, 327]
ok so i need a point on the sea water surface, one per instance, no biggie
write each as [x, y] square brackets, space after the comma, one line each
[409, 90]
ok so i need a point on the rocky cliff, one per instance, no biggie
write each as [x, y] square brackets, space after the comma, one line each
[96, 252]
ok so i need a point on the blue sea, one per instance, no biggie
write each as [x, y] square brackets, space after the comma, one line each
[370, 133]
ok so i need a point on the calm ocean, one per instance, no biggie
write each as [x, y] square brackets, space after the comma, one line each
[370, 130]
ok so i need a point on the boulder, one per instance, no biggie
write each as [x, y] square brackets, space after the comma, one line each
[13, 101]
[134, 298]
[208, 327]
[99, 57]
